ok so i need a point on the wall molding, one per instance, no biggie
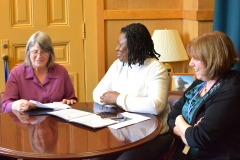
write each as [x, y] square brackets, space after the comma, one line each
[205, 15]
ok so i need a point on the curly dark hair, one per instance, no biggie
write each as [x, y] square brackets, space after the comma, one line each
[139, 43]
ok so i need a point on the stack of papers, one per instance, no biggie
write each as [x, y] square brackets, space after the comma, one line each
[89, 119]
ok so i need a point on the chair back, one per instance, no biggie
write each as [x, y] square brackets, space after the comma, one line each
[173, 97]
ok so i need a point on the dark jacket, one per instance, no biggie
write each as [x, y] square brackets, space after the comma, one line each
[218, 134]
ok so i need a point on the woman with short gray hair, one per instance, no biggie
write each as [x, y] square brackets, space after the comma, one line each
[39, 78]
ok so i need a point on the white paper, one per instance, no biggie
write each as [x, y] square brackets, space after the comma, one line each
[55, 106]
[69, 114]
[134, 118]
[93, 121]
[109, 105]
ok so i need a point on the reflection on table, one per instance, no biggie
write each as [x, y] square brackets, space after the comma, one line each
[49, 137]
[42, 130]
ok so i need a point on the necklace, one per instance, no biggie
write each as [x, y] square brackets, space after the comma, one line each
[190, 105]
[213, 86]
[205, 88]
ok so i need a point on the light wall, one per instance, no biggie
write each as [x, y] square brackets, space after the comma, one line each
[104, 19]
[90, 47]
[2, 77]
[190, 18]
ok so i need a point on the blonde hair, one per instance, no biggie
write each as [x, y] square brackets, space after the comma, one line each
[216, 51]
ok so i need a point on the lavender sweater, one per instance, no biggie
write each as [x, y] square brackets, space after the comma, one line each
[23, 84]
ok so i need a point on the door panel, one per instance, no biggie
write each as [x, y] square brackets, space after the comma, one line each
[61, 19]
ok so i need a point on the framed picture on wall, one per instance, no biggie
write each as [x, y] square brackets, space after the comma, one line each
[181, 81]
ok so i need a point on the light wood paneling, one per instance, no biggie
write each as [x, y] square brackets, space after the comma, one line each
[112, 31]
[142, 4]
[93, 46]
[206, 4]
[197, 15]
[184, 16]
[100, 40]
[190, 4]
[190, 31]
[21, 13]
[58, 13]
[2, 77]
[198, 4]
[159, 14]
[204, 27]
[58, 18]
[142, 14]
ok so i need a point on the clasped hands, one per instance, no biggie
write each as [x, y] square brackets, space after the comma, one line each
[181, 126]
[24, 105]
[180, 120]
[109, 98]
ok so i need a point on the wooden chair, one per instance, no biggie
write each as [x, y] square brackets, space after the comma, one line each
[173, 97]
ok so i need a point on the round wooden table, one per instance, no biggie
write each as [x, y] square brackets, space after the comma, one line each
[48, 137]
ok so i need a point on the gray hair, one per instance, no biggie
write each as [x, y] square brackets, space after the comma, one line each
[45, 43]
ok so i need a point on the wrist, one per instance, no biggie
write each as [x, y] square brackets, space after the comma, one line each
[14, 105]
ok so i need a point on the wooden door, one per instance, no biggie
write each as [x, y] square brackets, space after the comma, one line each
[61, 19]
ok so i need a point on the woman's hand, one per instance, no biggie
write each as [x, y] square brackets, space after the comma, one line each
[69, 101]
[22, 105]
[176, 131]
[182, 126]
[198, 121]
[109, 98]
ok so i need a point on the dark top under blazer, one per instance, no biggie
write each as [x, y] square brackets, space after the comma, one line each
[218, 135]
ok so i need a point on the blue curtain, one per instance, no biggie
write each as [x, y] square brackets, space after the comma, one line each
[227, 20]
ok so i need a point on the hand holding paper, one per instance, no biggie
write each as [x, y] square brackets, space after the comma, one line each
[54, 106]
